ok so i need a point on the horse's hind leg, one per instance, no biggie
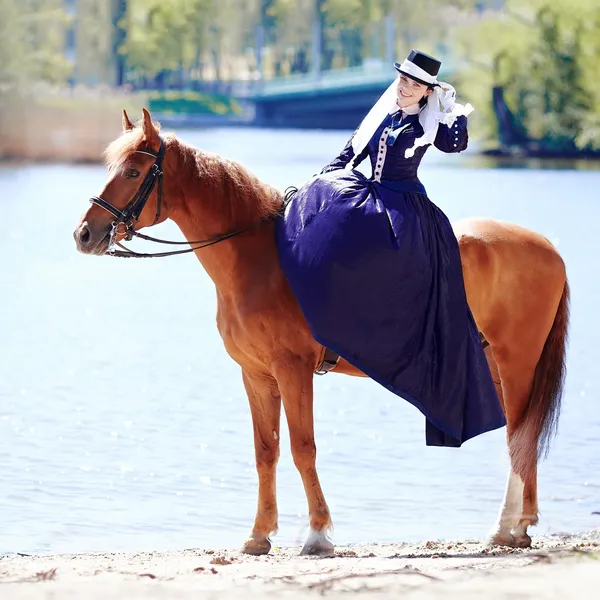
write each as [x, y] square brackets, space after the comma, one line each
[519, 508]
[519, 511]
[510, 510]
[529, 513]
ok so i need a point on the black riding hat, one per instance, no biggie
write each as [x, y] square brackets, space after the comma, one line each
[421, 67]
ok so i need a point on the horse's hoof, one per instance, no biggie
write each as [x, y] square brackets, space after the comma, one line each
[317, 544]
[502, 540]
[317, 550]
[522, 541]
[256, 547]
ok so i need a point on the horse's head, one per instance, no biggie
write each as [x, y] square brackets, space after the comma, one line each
[132, 196]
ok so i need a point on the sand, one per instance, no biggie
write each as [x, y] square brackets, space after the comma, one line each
[561, 566]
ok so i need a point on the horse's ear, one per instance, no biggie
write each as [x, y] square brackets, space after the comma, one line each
[150, 132]
[127, 124]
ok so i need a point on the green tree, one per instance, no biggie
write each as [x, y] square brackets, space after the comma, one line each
[32, 41]
[183, 35]
[358, 27]
[169, 35]
[543, 53]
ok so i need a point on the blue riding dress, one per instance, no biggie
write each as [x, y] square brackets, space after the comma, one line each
[376, 269]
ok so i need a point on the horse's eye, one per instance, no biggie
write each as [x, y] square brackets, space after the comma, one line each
[132, 173]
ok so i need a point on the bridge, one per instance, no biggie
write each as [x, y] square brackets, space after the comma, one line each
[336, 99]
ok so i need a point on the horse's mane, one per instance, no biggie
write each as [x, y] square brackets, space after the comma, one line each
[226, 183]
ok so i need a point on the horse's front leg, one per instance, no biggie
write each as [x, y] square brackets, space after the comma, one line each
[295, 381]
[265, 407]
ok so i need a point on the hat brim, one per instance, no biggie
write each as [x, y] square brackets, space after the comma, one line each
[421, 81]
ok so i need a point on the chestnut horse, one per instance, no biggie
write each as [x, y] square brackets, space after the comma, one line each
[515, 282]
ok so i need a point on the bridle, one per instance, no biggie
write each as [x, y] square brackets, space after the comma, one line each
[127, 217]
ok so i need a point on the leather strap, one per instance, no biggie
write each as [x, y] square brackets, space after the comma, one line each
[484, 342]
[329, 362]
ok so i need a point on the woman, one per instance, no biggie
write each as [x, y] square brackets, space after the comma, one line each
[375, 264]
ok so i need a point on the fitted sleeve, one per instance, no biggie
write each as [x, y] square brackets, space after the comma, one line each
[453, 138]
[344, 157]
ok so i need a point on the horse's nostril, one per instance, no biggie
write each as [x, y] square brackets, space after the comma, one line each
[84, 235]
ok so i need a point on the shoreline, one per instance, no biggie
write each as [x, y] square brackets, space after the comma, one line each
[483, 156]
[426, 570]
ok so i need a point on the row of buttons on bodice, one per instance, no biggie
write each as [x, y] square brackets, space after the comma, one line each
[381, 155]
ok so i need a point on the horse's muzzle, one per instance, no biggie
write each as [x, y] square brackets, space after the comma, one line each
[89, 241]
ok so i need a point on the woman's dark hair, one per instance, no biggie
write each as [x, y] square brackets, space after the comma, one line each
[423, 100]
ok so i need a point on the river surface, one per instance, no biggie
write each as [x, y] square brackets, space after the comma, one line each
[124, 424]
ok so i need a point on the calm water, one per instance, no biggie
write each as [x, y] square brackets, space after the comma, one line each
[124, 424]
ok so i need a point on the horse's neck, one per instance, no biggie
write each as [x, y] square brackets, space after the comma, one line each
[239, 264]
[236, 265]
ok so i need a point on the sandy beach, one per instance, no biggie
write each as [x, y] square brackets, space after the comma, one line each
[561, 566]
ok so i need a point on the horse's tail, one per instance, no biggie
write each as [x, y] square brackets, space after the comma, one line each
[531, 439]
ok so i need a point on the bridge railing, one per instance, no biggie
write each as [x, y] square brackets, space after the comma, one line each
[369, 72]
[372, 71]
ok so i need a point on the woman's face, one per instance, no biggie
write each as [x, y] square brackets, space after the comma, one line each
[410, 92]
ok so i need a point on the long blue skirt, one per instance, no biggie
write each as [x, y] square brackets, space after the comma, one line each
[377, 274]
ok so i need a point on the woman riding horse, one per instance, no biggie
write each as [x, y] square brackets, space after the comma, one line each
[376, 267]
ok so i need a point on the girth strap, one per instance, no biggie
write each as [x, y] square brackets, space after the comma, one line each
[329, 362]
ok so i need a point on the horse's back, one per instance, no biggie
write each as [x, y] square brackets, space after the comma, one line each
[511, 273]
[495, 232]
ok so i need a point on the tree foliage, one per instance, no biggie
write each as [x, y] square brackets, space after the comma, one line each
[544, 54]
[32, 37]
[166, 35]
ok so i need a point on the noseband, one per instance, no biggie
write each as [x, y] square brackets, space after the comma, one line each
[131, 213]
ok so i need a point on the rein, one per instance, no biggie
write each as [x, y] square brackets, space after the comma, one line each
[131, 213]
[127, 253]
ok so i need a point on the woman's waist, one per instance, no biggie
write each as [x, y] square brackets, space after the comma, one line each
[412, 185]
